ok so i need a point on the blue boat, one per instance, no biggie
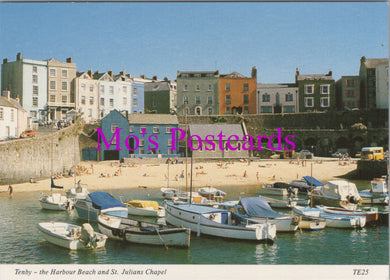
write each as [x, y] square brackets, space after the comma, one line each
[100, 203]
[304, 184]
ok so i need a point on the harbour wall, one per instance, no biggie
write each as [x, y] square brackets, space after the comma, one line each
[23, 159]
[369, 169]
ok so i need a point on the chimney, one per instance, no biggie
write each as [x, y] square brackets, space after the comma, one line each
[296, 74]
[123, 72]
[96, 72]
[154, 78]
[19, 56]
[166, 79]
[17, 98]
[142, 76]
[5, 60]
[254, 72]
[6, 94]
[69, 60]
[330, 73]
[110, 73]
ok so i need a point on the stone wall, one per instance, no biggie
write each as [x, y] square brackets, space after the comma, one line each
[23, 159]
[370, 169]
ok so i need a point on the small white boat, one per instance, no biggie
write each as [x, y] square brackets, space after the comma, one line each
[55, 201]
[337, 193]
[170, 193]
[278, 188]
[72, 237]
[217, 222]
[377, 194]
[256, 210]
[278, 203]
[212, 193]
[78, 192]
[99, 203]
[147, 208]
[142, 232]
[371, 214]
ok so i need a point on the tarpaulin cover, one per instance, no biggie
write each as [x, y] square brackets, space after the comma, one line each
[258, 207]
[316, 183]
[103, 200]
[54, 185]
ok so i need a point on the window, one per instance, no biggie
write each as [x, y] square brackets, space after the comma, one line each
[91, 101]
[209, 111]
[124, 89]
[227, 110]
[266, 109]
[91, 88]
[83, 87]
[64, 73]
[197, 75]
[143, 128]
[124, 100]
[266, 97]
[309, 102]
[135, 92]
[35, 90]
[350, 93]
[289, 97]
[209, 100]
[33, 114]
[246, 87]
[197, 87]
[141, 150]
[131, 128]
[350, 83]
[309, 89]
[227, 87]
[52, 98]
[83, 99]
[324, 101]
[324, 89]
[35, 79]
[185, 87]
[168, 130]
[135, 102]
[52, 72]
[102, 101]
[198, 111]
[227, 99]
[210, 88]
[197, 100]
[114, 126]
[89, 112]
[35, 69]
[184, 75]
[246, 110]
[102, 89]
[35, 101]
[111, 90]
[185, 99]
[142, 142]
[169, 142]
[111, 102]
[1, 113]
[156, 129]
[64, 86]
[52, 84]
[246, 99]
[64, 99]
[288, 109]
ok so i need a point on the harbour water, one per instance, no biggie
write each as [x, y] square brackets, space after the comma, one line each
[21, 242]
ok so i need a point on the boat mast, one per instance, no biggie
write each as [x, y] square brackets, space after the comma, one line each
[51, 157]
[311, 181]
[186, 144]
[191, 180]
[168, 161]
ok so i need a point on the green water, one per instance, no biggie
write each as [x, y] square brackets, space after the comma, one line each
[21, 242]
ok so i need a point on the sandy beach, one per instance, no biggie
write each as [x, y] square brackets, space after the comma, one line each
[112, 175]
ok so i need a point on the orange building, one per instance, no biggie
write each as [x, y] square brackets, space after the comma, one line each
[237, 93]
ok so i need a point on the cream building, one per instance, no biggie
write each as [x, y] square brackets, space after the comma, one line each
[87, 96]
[277, 98]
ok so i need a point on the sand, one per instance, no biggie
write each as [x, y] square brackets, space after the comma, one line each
[237, 173]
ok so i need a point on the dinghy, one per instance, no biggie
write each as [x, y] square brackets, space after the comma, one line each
[72, 237]
[55, 201]
[146, 208]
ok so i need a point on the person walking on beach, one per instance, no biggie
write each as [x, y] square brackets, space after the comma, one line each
[257, 176]
[10, 190]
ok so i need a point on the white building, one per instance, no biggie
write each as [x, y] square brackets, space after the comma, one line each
[26, 79]
[277, 98]
[87, 96]
[13, 119]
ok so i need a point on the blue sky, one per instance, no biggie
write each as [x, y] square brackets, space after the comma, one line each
[161, 38]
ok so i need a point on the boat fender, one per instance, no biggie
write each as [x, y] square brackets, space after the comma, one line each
[212, 216]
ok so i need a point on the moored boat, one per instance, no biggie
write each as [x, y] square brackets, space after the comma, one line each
[337, 193]
[71, 236]
[78, 192]
[217, 222]
[304, 184]
[278, 203]
[308, 223]
[99, 203]
[278, 188]
[377, 194]
[55, 201]
[371, 215]
[142, 232]
[146, 208]
[212, 193]
[256, 210]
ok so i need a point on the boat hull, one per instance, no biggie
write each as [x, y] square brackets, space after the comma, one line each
[86, 211]
[58, 203]
[146, 212]
[311, 224]
[345, 222]
[328, 201]
[168, 237]
[371, 216]
[58, 234]
[371, 198]
[197, 222]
